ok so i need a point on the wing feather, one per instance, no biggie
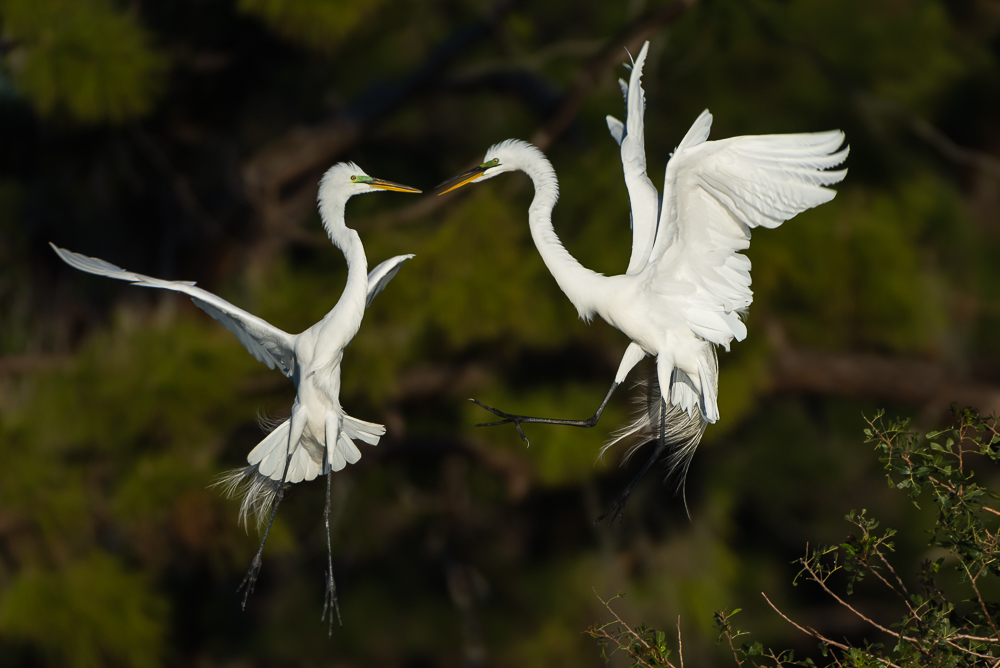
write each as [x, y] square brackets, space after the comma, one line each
[380, 276]
[715, 193]
[264, 341]
[644, 199]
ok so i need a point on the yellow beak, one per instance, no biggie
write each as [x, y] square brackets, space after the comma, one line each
[462, 179]
[382, 184]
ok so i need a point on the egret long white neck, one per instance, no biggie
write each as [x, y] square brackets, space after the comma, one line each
[347, 240]
[574, 279]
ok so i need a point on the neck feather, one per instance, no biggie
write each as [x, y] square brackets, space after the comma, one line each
[580, 284]
[347, 240]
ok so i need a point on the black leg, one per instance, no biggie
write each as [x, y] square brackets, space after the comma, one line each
[251, 577]
[619, 504]
[518, 419]
[330, 598]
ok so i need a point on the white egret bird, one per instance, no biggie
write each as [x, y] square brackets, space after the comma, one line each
[319, 437]
[687, 284]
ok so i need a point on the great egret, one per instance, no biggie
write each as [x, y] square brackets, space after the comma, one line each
[687, 284]
[319, 436]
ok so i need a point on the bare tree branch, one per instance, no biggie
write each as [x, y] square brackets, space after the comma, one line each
[906, 381]
[279, 180]
[933, 137]
[601, 632]
[816, 634]
[928, 385]
[609, 57]
[17, 365]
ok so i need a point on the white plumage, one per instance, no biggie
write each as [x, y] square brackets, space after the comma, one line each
[319, 437]
[687, 283]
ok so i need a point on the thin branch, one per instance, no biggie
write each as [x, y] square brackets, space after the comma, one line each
[914, 612]
[982, 603]
[893, 571]
[966, 650]
[822, 583]
[965, 636]
[680, 645]
[736, 656]
[819, 636]
[808, 631]
[630, 631]
[607, 604]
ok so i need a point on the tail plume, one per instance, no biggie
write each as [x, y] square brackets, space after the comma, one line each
[269, 423]
[256, 491]
[682, 431]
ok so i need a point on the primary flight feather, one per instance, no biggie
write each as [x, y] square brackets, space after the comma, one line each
[319, 437]
[687, 282]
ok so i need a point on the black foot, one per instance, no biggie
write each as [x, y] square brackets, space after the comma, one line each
[507, 419]
[330, 602]
[251, 579]
[617, 508]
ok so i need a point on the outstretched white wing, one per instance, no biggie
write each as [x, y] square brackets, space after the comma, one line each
[380, 276]
[713, 195]
[643, 197]
[267, 343]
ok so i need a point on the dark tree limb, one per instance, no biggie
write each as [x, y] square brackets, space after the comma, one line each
[930, 386]
[271, 175]
[610, 56]
[280, 179]
[927, 385]
[20, 365]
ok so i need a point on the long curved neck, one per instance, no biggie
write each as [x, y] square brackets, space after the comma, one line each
[347, 240]
[579, 283]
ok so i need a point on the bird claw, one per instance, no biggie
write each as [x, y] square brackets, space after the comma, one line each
[507, 419]
[250, 579]
[619, 510]
[496, 412]
[330, 601]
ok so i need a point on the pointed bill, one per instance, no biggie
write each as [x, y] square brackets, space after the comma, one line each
[382, 184]
[464, 178]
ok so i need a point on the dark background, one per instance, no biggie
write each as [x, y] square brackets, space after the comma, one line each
[185, 140]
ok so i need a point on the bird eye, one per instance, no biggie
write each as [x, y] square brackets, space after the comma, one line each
[495, 160]
[354, 178]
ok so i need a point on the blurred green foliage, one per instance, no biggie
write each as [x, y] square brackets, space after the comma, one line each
[318, 24]
[93, 613]
[126, 128]
[85, 58]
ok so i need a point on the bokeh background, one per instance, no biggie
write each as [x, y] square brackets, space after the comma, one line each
[185, 140]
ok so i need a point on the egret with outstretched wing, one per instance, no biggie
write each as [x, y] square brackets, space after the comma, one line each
[319, 437]
[687, 283]
[644, 199]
